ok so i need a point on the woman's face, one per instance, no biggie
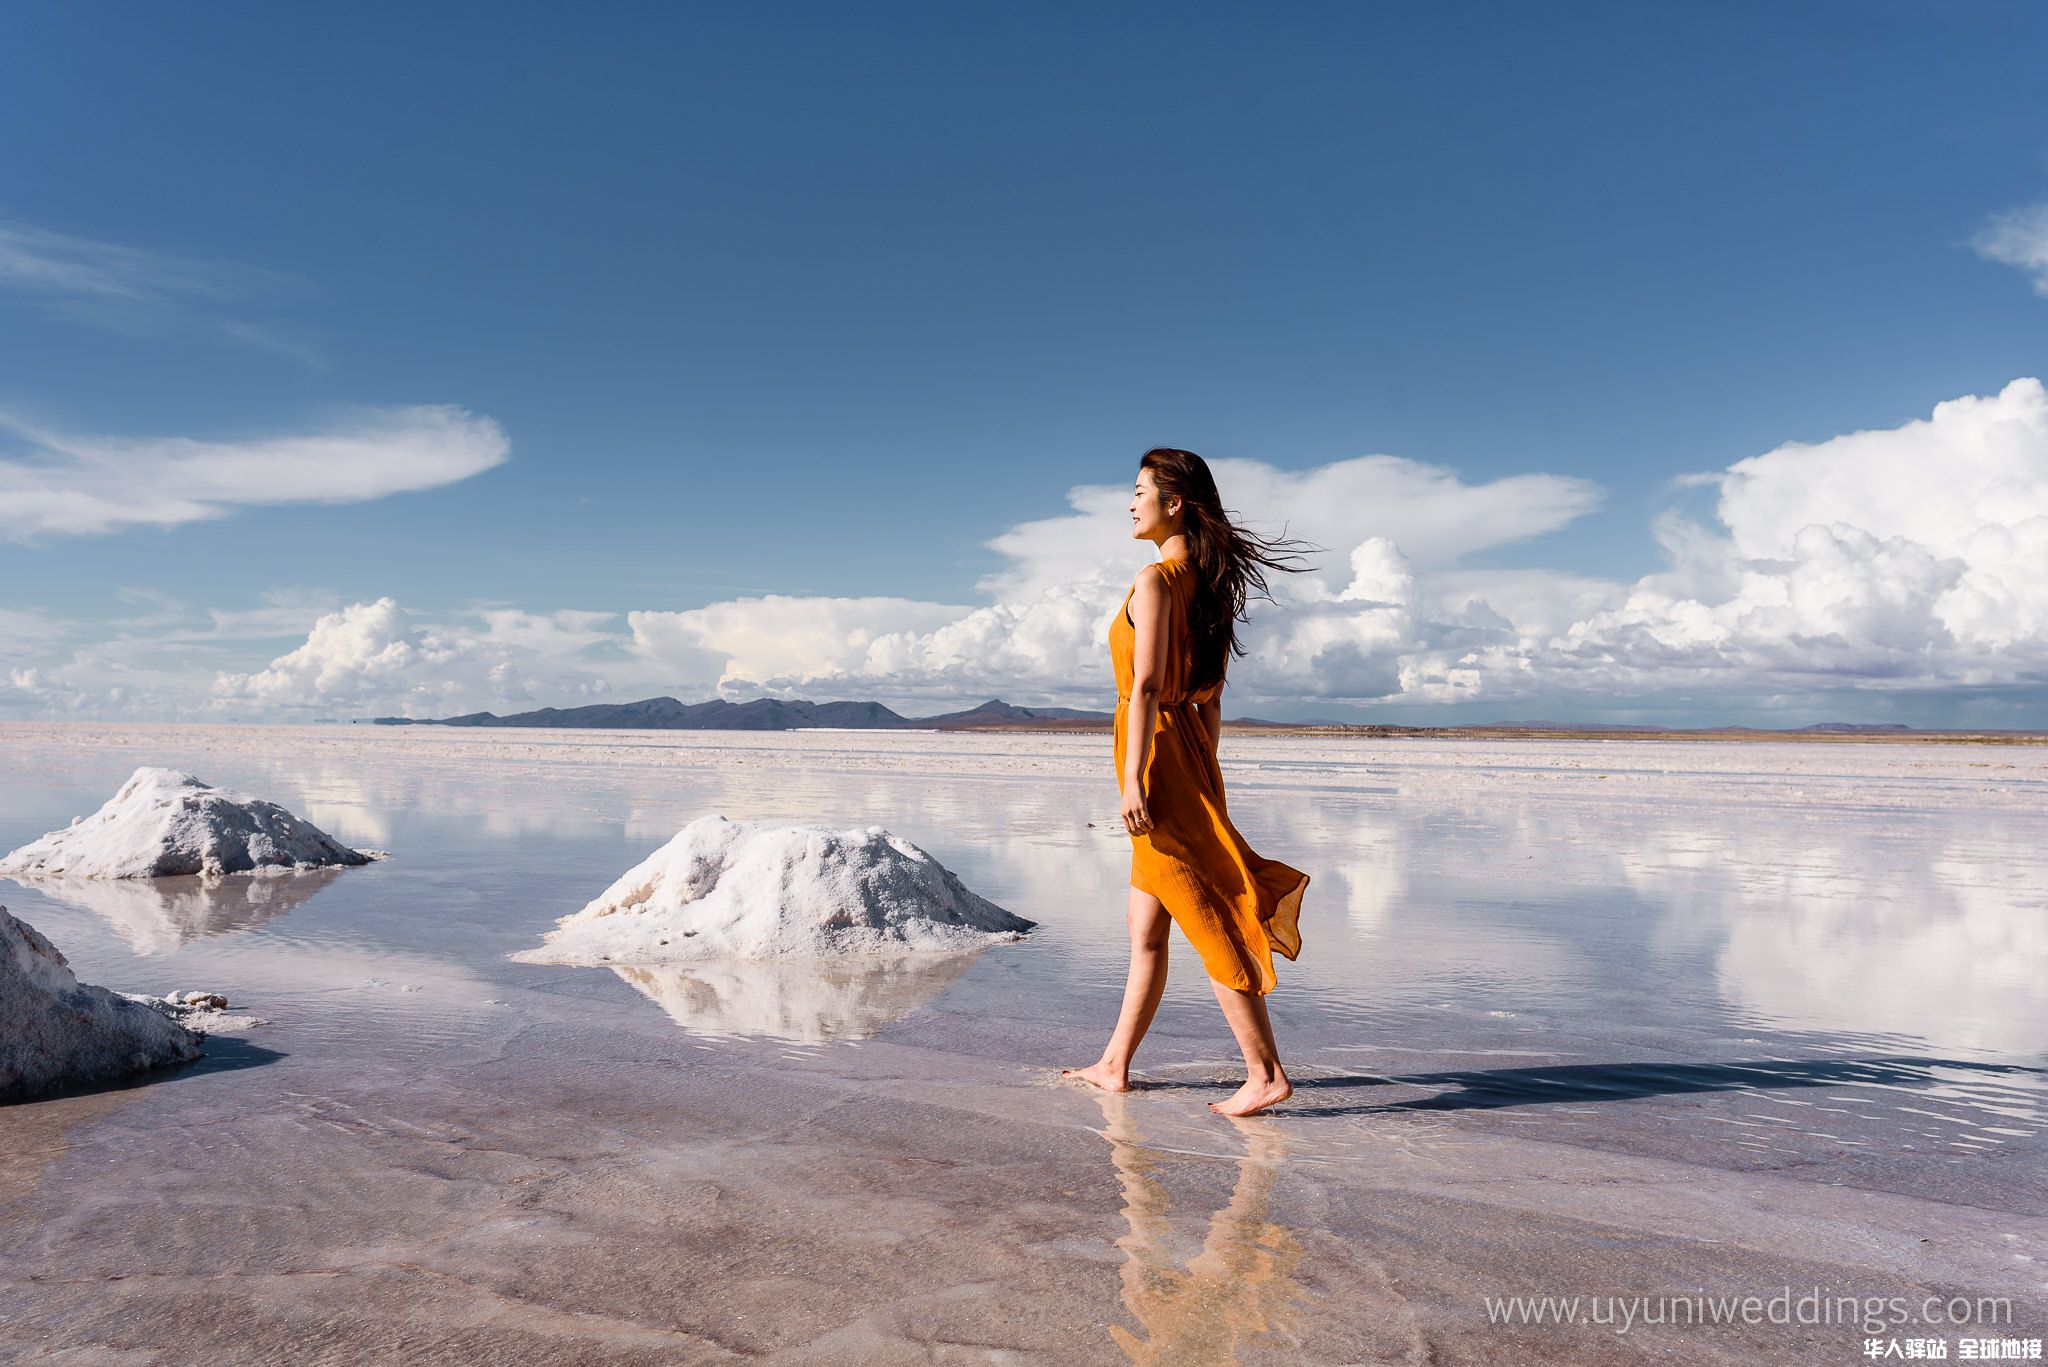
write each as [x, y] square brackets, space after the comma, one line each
[1150, 521]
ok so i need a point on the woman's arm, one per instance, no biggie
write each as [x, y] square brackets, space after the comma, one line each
[1148, 680]
[1212, 721]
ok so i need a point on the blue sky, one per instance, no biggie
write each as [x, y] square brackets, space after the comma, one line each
[820, 301]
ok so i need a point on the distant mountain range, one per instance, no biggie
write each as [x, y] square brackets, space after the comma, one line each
[762, 714]
[776, 714]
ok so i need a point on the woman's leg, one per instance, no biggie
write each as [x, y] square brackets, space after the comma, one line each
[1142, 988]
[1265, 1082]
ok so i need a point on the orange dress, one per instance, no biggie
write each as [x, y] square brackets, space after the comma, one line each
[1235, 907]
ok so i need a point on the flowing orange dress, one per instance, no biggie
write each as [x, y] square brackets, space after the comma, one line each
[1235, 907]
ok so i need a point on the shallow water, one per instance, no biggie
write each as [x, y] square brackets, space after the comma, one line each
[1570, 1017]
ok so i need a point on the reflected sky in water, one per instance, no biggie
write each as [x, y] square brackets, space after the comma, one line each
[1609, 907]
[1756, 972]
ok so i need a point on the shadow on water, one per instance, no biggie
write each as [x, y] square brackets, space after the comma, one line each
[1239, 1288]
[223, 1054]
[227, 1054]
[1488, 1089]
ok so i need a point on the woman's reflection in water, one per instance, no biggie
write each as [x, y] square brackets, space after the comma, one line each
[1239, 1288]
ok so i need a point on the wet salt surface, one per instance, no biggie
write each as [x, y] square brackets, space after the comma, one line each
[1608, 1019]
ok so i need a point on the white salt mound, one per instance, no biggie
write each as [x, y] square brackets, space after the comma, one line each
[759, 890]
[163, 823]
[57, 1032]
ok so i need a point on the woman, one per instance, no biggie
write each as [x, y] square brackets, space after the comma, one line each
[1170, 647]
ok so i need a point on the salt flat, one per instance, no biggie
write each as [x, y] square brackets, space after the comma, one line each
[1607, 1019]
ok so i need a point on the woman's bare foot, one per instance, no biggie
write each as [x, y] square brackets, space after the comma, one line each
[1100, 1075]
[1256, 1095]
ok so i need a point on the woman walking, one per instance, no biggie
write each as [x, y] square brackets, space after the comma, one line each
[1170, 647]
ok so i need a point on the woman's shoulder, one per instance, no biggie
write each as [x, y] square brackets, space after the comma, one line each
[1172, 571]
[1172, 577]
[1181, 576]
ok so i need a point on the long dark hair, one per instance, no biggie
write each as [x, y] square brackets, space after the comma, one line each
[1229, 561]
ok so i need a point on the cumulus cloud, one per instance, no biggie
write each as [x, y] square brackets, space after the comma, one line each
[175, 661]
[1914, 556]
[59, 484]
[376, 656]
[777, 635]
[903, 648]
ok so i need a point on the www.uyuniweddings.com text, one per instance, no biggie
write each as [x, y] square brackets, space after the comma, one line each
[1811, 1306]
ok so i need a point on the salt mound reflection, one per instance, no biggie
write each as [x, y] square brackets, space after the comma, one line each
[158, 915]
[807, 1001]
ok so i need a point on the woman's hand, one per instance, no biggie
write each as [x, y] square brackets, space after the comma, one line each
[1137, 815]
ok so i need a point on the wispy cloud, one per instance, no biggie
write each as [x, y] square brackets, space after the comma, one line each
[266, 338]
[2018, 238]
[136, 290]
[161, 618]
[61, 484]
[24, 631]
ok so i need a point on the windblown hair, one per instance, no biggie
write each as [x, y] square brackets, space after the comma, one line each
[1229, 561]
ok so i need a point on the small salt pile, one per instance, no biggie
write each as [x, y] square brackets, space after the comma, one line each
[761, 890]
[204, 1012]
[163, 823]
[212, 1001]
[58, 1032]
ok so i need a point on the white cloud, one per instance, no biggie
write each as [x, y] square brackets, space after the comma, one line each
[1914, 556]
[2018, 238]
[1903, 560]
[1911, 557]
[374, 656]
[71, 485]
[1536, 603]
[1978, 462]
[137, 290]
[28, 630]
[268, 337]
[285, 612]
[176, 662]
[1043, 638]
[1042, 643]
[1436, 517]
[778, 635]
